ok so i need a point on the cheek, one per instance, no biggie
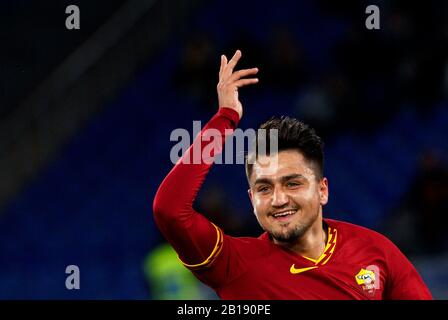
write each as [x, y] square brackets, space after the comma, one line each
[306, 197]
[260, 204]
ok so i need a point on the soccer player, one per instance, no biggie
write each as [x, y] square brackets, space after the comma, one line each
[300, 255]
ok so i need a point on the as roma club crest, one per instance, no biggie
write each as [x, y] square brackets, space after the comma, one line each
[369, 279]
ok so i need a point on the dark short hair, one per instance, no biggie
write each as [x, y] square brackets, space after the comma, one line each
[292, 135]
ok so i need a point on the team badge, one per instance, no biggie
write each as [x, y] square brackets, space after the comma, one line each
[368, 279]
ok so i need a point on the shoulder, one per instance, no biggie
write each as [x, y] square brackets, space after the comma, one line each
[261, 241]
[356, 233]
[249, 247]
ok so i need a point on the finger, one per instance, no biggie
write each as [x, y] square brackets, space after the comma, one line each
[243, 73]
[223, 63]
[233, 61]
[245, 82]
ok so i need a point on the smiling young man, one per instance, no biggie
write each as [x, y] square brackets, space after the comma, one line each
[301, 255]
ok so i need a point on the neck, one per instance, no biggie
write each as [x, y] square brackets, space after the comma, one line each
[312, 243]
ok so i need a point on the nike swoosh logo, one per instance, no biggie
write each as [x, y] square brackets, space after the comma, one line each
[293, 270]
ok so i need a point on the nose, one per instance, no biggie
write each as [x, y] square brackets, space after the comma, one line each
[279, 198]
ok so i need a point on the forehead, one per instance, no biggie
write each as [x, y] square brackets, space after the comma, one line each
[284, 163]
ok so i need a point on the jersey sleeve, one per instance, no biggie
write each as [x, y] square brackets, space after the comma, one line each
[404, 282]
[197, 241]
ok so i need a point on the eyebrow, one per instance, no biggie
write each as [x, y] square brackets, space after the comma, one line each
[282, 179]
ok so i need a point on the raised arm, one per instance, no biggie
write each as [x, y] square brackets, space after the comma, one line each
[196, 240]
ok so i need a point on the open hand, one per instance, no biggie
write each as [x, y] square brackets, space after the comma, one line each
[230, 82]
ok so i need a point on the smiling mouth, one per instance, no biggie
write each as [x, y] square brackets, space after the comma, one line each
[284, 215]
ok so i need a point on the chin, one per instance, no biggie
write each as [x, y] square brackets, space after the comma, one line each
[291, 234]
[287, 236]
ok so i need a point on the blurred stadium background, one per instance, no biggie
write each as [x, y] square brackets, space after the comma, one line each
[86, 117]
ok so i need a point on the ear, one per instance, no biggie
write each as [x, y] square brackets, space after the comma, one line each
[251, 196]
[323, 191]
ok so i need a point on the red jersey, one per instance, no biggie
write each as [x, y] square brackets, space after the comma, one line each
[357, 263]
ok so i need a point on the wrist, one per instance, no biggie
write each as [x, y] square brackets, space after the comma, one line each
[230, 113]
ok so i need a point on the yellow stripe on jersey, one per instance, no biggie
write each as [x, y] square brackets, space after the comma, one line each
[311, 259]
[326, 255]
[329, 241]
[333, 245]
[215, 252]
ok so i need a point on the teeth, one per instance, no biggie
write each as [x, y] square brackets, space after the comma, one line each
[283, 214]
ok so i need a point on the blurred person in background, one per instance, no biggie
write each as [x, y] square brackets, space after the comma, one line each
[195, 73]
[427, 200]
[168, 278]
[418, 224]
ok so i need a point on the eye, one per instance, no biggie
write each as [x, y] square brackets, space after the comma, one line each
[263, 189]
[292, 184]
